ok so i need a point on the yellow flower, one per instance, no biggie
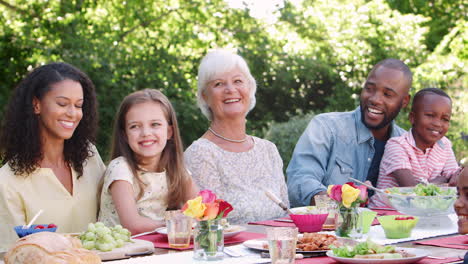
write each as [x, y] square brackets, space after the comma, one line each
[195, 208]
[350, 194]
[329, 189]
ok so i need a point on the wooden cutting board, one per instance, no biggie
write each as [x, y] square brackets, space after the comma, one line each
[134, 248]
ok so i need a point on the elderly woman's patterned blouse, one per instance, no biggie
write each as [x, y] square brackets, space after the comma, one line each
[240, 178]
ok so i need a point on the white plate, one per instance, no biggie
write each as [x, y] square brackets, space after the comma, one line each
[419, 254]
[257, 244]
[231, 231]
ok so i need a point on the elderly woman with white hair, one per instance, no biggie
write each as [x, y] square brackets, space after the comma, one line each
[236, 166]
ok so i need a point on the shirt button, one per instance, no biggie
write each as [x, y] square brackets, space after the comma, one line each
[369, 159]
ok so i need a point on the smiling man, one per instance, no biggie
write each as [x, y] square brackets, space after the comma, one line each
[336, 146]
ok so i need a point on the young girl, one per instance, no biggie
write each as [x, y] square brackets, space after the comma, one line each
[147, 174]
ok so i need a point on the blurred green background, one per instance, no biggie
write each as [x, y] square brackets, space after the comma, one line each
[308, 57]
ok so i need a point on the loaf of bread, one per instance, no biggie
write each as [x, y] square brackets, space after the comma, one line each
[50, 248]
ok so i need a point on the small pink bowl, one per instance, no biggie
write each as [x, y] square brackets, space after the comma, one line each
[309, 222]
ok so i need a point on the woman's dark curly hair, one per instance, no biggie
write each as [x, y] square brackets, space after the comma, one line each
[20, 138]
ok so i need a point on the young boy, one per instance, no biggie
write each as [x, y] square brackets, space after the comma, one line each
[423, 153]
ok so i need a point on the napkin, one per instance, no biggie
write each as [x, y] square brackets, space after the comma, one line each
[327, 260]
[381, 212]
[274, 223]
[444, 242]
[160, 240]
[385, 212]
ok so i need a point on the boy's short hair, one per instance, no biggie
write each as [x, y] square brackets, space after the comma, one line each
[420, 94]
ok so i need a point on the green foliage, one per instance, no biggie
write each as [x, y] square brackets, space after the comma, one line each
[286, 134]
[446, 69]
[443, 16]
[314, 57]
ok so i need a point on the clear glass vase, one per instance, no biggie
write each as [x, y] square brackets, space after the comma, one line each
[348, 222]
[208, 240]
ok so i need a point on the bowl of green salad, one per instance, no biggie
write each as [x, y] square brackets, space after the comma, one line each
[425, 200]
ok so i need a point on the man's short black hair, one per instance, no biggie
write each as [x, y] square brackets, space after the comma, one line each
[420, 94]
[395, 64]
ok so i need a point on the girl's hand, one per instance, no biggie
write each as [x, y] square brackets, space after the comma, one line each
[438, 180]
[454, 179]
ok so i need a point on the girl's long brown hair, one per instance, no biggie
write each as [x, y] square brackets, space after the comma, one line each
[172, 160]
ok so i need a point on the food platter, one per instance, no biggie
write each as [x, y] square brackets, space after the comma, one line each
[258, 244]
[419, 254]
[134, 248]
[229, 232]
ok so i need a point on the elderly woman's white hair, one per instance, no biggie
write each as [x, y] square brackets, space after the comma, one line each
[217, 62]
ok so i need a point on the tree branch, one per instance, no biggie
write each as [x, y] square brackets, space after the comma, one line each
[12, 7]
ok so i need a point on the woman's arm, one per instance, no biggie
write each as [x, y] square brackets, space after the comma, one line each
[122, 195]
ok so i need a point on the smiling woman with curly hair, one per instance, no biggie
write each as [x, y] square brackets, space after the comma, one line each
[50, 161]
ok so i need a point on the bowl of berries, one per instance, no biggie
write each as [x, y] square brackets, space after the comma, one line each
[21, 232]
[398, 226]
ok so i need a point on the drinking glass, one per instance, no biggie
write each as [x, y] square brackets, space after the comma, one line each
[326, 205]
[179, 229]
[282, 244]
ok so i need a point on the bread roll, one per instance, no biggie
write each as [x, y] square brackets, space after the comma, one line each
[49, 248]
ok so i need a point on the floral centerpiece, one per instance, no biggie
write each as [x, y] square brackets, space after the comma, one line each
[208, 236]
[349, 197]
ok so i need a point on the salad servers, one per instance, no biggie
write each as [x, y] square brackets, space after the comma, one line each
[277, 201]
[368, 185]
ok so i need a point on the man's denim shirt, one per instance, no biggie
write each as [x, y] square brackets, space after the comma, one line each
[333, 147]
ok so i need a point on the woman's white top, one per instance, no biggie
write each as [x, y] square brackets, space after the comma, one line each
[240, 178]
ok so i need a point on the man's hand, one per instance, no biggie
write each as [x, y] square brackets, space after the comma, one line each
[312, 201]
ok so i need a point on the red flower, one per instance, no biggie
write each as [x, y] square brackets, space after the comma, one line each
[352, 184]
[224, 207]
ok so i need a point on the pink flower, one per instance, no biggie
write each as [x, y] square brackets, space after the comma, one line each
[334, 191]
[363, 193]
[207, 196]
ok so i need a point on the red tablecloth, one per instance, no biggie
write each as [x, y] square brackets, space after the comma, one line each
[274, 223]
[380, 212]
[446, 241]
[160, 240]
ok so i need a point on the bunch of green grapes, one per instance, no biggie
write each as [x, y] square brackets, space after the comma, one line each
[100, 237]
